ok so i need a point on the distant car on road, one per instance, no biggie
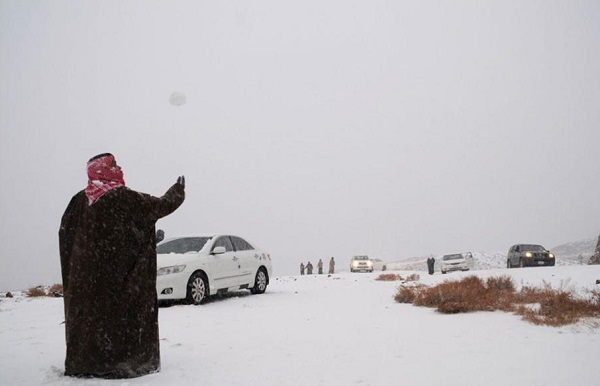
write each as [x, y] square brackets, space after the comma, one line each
[454, 262]
[361, 263]
[195, 267]
[529, 255]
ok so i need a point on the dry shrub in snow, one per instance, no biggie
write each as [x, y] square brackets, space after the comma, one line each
[388, 277]
[35, 292]
[545, 305]
[501, 284]
[469, 294]
[451, 297]
[56, 290]
[500, 293]
[394, 277]
[407, 294]
[553, 307]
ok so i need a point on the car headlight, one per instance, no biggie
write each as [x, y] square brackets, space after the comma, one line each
[551, 255]
[528, 254]
[169, 270]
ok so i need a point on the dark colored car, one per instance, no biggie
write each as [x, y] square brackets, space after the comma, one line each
[529, 255]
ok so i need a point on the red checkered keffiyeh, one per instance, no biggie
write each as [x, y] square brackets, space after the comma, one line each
[103, 175]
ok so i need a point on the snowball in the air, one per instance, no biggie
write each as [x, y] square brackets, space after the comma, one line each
[177, 99]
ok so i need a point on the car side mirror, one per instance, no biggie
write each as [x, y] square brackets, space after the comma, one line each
[218, 251]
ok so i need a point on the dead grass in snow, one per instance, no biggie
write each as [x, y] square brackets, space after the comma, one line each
[540, 306]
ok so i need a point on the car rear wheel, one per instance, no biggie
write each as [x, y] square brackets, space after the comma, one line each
[260, 282]
[197, 289]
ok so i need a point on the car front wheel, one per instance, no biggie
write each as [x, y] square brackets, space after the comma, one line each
[521, 264]
[260, 282]
[508, 264]
[197, 289]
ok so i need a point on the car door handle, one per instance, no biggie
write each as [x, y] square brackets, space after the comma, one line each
[235, 258]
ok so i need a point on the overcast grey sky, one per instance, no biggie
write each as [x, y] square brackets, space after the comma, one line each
[313, 128]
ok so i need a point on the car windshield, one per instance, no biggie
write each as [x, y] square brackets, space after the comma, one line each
[452, 257]
[360, 258]
[532, 248]
[182, 245]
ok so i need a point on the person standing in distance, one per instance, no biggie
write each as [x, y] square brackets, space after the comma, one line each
[107, 243]
[430, 265]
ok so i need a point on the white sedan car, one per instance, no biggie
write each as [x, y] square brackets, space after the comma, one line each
[196, 267]
[455, 262]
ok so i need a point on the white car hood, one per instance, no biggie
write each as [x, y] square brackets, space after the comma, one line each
[170, 259]
[454, 262]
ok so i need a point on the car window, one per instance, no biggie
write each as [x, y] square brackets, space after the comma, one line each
[240, 244]
[452, 257]
[223, 241]
[182, 245]
[360, 258]
[532, 248]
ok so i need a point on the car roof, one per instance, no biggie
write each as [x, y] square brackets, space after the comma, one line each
[207, 235]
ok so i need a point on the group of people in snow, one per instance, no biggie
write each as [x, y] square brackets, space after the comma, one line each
[309, 267]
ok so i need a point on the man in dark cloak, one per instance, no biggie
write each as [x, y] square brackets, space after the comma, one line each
[107, 243]
[430, 265]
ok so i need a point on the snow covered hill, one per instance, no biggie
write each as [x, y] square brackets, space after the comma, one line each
[576, 252]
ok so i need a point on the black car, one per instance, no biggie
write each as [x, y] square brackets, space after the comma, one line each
[529, 255]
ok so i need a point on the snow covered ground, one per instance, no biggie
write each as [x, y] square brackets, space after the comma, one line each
[344, 329]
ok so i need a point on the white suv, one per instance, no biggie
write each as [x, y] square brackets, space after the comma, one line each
[361, 263]
[455, 262]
